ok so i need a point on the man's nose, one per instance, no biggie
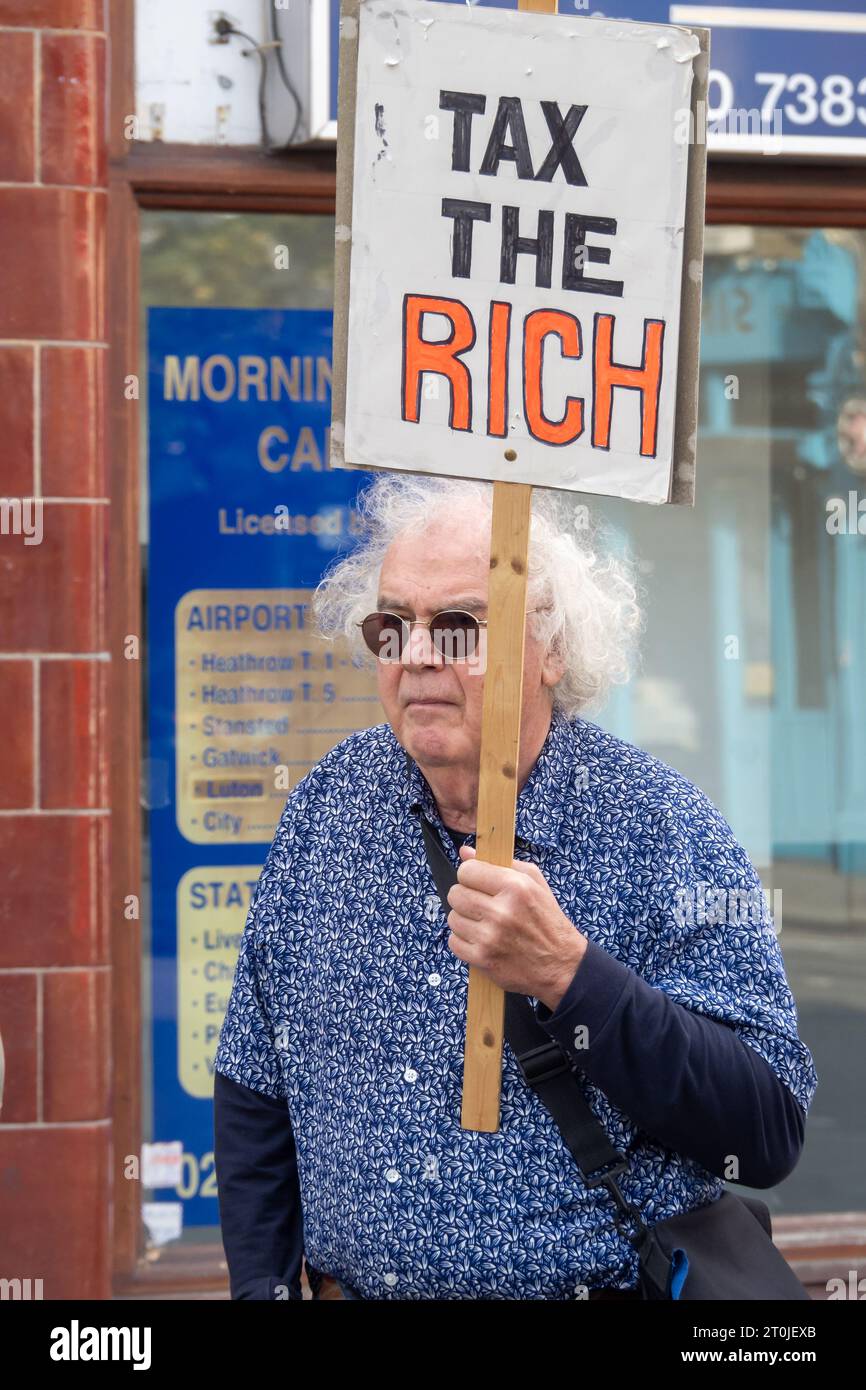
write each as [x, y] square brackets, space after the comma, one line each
[419, 650]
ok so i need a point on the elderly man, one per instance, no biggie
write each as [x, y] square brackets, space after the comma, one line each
[340, 1063]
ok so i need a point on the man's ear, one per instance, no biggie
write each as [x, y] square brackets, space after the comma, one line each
[553, 667]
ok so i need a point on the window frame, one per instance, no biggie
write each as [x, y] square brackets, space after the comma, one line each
[769, 190]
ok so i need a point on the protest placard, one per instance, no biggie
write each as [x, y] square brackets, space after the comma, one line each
[519, 235]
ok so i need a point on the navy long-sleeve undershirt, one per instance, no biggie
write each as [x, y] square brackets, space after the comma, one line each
[684, 1078]
[259, 1192]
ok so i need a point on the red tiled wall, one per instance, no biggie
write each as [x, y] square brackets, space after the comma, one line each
[54, 972]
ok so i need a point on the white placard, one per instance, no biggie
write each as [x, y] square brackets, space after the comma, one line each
[518, 220]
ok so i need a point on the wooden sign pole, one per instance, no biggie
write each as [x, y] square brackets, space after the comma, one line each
[497, 787]
[500, 758]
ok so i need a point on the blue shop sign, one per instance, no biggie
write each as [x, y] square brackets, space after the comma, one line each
[786, 76]
[242, 697]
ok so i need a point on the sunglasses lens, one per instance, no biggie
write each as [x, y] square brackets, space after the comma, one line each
[455, 635]
[383, 633]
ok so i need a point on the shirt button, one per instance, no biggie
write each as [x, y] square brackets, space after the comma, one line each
[434, 979]
[410, 1074]
[431, 907]
[392, 1175]
[390, 1279]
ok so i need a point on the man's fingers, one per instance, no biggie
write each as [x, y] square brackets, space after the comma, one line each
[483, 878]
[493, 878]
[473, 935]
[468, 903]
[464, 950]
[462, 926]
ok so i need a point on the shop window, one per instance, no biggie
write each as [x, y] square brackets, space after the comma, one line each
[753, 674]
[240, 516]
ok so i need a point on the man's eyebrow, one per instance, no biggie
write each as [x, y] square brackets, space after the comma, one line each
[470, 602]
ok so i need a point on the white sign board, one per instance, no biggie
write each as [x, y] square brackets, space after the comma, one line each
[511, 240]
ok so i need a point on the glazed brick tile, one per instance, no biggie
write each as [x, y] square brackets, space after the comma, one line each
[56, 1199]
[52, 890]
[17, 143]
[16, 421]
[73, 758]
[73, 139]
[52, 263]
[76, 1036]
[53, 14]
[73, 423]
[16, 734]
[19, 1032]
[51, 593]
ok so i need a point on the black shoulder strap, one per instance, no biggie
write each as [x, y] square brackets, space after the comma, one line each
[543, 1063]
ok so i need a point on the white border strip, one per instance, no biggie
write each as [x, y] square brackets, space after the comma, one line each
[770, 145]
[322, 127]
[726, 17]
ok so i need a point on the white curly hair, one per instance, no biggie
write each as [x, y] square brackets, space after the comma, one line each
[592, 619]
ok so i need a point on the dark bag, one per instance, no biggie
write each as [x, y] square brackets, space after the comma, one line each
[723, 1250]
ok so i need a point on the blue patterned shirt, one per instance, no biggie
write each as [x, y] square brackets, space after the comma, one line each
[349, 1005]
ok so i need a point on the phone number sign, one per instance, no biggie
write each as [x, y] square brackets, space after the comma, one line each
[787, 76]
[784, 81]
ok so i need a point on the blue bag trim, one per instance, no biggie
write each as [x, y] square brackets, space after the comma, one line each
[679, 1272]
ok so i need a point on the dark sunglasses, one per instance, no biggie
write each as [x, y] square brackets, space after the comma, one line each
[454, 633]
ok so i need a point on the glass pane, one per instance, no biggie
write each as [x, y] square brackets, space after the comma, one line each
[753, 678]
[240, 515]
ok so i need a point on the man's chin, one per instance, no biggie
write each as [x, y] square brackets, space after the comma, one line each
[428, 731]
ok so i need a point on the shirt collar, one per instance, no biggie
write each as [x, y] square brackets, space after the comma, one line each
[540, 800]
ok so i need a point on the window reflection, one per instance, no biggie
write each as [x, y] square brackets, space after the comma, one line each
[754, 675]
